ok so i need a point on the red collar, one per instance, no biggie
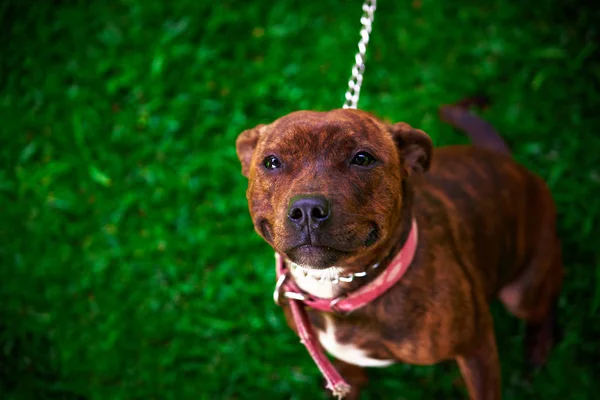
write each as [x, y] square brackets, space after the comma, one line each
[341, 305]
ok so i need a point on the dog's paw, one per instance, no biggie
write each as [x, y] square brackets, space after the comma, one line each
[540, 339]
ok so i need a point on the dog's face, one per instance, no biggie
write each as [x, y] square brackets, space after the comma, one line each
[325, 188]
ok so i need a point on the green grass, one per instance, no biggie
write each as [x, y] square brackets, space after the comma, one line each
[129, 268]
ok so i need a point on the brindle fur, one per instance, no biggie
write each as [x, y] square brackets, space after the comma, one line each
[486, 230]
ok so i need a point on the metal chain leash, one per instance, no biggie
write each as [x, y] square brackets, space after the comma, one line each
[358, 69]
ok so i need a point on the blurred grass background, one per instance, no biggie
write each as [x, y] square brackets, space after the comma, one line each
[129, 268]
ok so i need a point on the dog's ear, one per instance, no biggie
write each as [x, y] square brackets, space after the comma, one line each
[245, 145]
[414, 147]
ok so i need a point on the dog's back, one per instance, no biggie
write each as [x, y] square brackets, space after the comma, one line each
[511, 220]
[509, 210]
[506, 207]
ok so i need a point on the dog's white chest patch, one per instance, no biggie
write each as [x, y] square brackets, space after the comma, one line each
[316, 282]
[347, 352]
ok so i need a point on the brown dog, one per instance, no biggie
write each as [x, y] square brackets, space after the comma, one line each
[335, 193]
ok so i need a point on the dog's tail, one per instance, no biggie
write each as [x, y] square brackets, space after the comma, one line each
[481, 133]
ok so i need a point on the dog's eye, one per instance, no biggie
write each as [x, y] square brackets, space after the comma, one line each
[271, 162]
[363, 159]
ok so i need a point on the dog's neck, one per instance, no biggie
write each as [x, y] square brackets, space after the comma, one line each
[335, 281]
[326, 283]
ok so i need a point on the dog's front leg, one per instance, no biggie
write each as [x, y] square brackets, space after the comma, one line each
[479, 364]
[353, 374]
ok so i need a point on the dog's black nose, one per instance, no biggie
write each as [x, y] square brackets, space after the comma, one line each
[309, 209]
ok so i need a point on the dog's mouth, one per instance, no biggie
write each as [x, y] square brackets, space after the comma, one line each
[317, 257]
[323, 254]
[319, 249]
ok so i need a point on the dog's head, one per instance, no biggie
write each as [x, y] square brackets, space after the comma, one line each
[325, 188]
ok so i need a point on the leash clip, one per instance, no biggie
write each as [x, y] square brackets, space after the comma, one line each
[278, 286]
[290, 295]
